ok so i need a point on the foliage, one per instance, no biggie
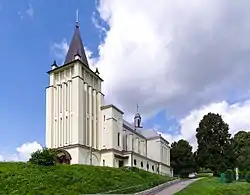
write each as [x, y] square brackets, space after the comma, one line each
[27, 178]
[242, 175]
[182, 159]
[213, 186]
[45, 157]
[203, 170]
[215, 148]
[205, 174]
[242, 149]
[248, 177]
[229, 176]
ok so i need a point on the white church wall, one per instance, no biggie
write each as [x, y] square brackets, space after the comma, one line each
[165, 170]
[59, 107]
[74, 153]
[106, 135]
[85, 154]
[154, 149]
[112, 128]
[107, 159]
[141, 163]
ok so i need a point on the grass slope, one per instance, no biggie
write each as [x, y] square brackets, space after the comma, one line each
[23, 178]
[213, 186]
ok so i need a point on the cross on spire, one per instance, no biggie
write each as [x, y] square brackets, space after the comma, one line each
[137, 108]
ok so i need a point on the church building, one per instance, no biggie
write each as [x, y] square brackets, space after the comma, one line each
[90, 132]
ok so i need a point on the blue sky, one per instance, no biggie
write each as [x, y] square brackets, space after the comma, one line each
[179, 61]
[26, 56]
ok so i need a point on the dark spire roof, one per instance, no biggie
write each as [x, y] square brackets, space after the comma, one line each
[76, 48]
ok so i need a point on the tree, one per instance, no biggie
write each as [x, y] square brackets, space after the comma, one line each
[182, 159]
[215, 148]
[242, 149]
[45, 157]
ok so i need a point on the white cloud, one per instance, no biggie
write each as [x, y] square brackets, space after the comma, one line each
[30, 11]
[174, 55]
[22, 153]
[59, 50]
[236, 115]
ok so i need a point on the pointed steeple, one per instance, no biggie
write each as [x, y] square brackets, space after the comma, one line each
[76, 49]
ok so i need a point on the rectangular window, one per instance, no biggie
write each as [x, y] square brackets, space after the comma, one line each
[118, 139]
[104, 118]
[103, 162]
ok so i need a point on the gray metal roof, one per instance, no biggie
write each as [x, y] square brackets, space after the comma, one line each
[149, 133]
[76, 47]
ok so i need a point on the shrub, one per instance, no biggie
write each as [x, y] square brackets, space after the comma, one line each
[135, 169]
[184, 173]
[229, 176]
[45, 157]
[248, 177]
[242, 175]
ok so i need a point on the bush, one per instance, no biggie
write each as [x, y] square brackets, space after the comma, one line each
[248, 177]
[45, 157]
[242, 175]
[229, 176]
[184, 173]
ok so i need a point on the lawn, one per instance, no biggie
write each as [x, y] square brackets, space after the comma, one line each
[213, 186]
[23, 178]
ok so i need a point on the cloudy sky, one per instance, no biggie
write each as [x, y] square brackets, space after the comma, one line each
[177, 59]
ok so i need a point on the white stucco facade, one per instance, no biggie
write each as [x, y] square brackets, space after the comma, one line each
[93, 133]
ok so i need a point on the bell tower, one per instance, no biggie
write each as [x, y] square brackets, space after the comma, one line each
[137, 119]
[73, 103]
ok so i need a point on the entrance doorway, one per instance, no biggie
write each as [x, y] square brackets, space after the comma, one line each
[120, 163]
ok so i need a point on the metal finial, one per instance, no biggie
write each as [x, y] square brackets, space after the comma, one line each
[77, 18]
[97, 71]
[137, 108]
[54, 63]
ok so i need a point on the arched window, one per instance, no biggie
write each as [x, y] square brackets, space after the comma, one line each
[153, 168]
[141, 164]
[134, 161]
[147, 166]
[118, 139]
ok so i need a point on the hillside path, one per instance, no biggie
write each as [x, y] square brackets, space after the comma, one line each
[171, 190]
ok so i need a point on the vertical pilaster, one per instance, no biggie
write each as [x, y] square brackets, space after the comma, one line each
[67, 113]
[81, 115]
[100, 125]
[70, 113]
[86, 113]
[55, 116]
[49, 116]
[75, 110]
[90, 117]
[59, 116]
[94, 119]
[63, 114]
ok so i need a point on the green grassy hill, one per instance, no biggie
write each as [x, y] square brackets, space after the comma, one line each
[23, 178]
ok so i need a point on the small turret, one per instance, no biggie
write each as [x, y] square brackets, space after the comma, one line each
[54, 65]
[137, 119]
